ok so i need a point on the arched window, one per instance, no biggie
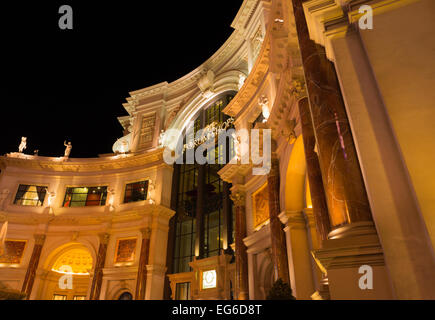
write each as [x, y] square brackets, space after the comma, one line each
[126, 296]
[204, 219]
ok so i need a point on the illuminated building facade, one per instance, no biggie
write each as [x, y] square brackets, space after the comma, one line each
[349, 194]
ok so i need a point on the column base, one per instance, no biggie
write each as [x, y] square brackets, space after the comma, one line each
[341, 257]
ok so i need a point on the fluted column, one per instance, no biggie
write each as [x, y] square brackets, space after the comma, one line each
[344, 186]
[242, 284]
[141, 283]
[99, 265]
[318, 199]
[279, 251]
[33, 265]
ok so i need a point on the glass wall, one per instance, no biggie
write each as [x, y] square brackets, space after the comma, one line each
[201, 183]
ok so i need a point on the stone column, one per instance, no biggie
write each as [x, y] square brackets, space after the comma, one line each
[99, 265]
[33, 265]
[344, 186]
[141, 283]
[318, 199]
[228, 216]
[242, 283]
[279, 253]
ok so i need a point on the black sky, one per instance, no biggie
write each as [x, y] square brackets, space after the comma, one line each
[70, 84]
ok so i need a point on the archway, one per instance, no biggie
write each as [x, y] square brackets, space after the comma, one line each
[68, 273]
[126, 296]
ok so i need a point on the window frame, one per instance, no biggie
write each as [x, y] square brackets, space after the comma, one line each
[134, 182]
[31, 184]
[88, 187]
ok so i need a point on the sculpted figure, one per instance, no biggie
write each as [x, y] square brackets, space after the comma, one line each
[68, 149]
[23, 145]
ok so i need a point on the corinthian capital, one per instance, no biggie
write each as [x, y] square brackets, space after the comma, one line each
[238, 198]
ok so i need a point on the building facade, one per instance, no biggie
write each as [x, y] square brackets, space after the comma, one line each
[345, 211]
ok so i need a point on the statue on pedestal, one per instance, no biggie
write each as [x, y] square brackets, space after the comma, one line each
[68, 149]
[23, 145]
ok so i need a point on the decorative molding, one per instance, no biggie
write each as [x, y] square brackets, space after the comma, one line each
[84, 165]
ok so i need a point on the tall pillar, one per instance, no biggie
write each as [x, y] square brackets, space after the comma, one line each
[228, 213]
[97, 280]
[318, 199]
[344, 186]
[141, 283]
[242, 283]
[33, 265]
[279, 254]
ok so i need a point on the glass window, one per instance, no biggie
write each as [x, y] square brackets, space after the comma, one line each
[79, 297]
[59, 297]
[212, 195]
[182, 291]
[85, 197]
[28, 195]
[136, 191]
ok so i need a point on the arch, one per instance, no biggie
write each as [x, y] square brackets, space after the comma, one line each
[126, 296]
[118, 289]
[295, 191]
[54, 253]
[79, 259]
[265, 274]
[224, 83]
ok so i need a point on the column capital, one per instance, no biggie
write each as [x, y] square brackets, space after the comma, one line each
[238, 198]
[39, 239]
[146, 233]
[293, 219]
[104, 237]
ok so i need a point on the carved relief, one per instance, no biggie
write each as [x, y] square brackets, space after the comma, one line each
[206, 84]
[260, 204]
[14, 250]
[147, 130]
[125, 250]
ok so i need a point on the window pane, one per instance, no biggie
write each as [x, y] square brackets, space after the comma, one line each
[30, 195]
[85, 196]
[182, 291]
[136, 191]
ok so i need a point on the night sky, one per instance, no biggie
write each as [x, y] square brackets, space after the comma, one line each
[70, 84]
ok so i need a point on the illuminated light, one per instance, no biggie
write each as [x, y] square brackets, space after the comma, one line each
[71, 273]
[209, 279]
[6, 265]
[310, 207]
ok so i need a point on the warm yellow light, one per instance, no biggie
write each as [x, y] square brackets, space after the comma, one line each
[79, 259]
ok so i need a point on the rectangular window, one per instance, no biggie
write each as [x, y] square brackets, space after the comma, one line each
[79, 297]
[85, 197]
[28, 195]
[59, 297]
[136, 191]
[182, 291]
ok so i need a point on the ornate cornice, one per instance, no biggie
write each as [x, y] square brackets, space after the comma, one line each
[252, 83]
[105, 164]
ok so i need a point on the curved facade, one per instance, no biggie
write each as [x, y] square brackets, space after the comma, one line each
[128, 225]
